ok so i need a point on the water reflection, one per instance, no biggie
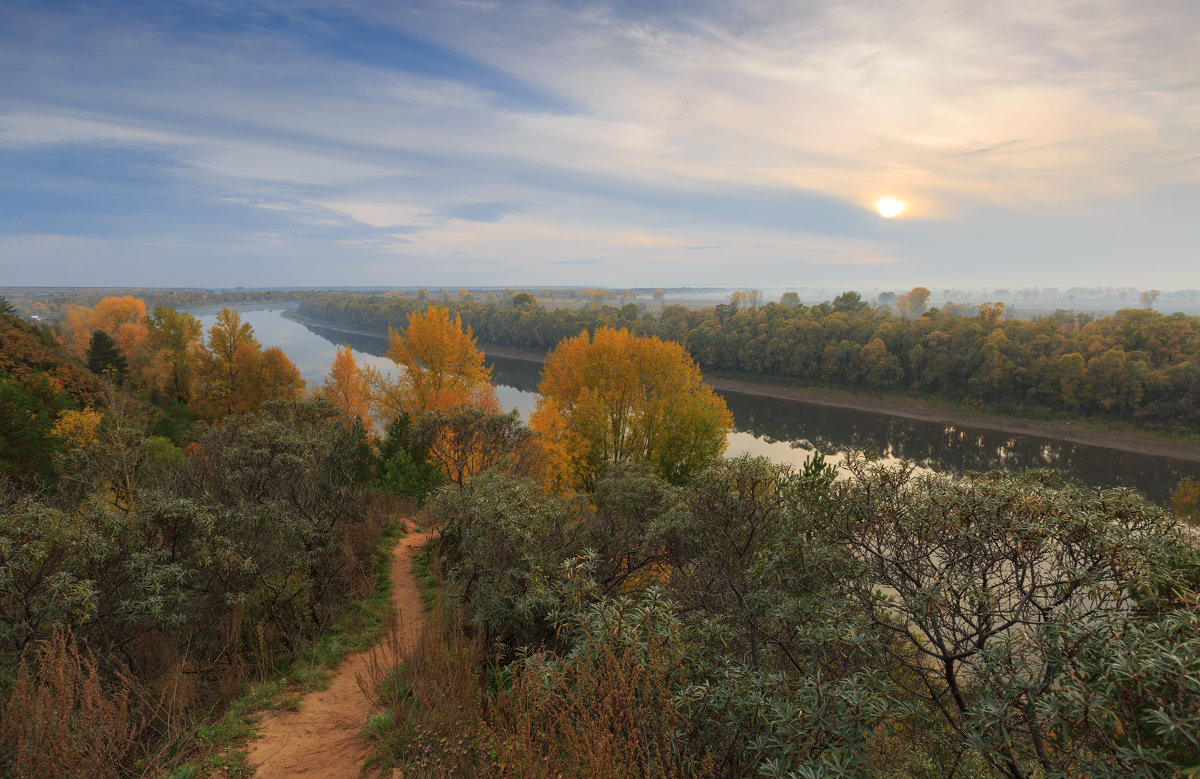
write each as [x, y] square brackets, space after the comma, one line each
[950, 448]
[789, 430]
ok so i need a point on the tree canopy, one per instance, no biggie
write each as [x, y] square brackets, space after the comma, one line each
[618, 397]
[441, 366]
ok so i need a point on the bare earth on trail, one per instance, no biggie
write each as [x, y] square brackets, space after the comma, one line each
[319, 738]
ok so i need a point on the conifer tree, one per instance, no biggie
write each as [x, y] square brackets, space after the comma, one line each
[105, 358]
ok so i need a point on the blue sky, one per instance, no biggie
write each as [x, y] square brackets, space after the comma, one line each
[470, 142]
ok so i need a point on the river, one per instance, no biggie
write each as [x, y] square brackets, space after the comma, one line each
[787, 430]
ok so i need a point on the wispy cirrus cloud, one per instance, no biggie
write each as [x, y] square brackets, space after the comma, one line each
[505, 139]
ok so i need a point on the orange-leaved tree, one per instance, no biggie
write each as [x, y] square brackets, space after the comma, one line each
[123, 318]
[349, 390]
[441, 367]
[236, 375]
[617, 397]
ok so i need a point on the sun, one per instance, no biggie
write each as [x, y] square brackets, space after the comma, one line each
[890, 206]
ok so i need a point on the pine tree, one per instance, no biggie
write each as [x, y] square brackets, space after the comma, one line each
[104, 357]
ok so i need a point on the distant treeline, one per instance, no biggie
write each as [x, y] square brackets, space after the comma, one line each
[53, 304]
[1136, 365]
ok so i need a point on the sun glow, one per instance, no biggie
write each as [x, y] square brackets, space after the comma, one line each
[889, 207]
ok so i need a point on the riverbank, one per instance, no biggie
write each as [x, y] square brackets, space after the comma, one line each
[1059, 431]
[1146, 444]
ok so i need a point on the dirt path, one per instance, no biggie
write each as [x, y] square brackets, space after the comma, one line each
[318, 739]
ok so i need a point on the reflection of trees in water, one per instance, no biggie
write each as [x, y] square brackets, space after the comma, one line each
[524, 375]
[949, 448]
[375, 345]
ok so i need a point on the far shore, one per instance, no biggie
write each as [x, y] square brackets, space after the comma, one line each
[838, 398]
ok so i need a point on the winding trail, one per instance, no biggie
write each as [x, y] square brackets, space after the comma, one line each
[319, 737]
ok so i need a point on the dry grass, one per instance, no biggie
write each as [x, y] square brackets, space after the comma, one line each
[445, 710]
[429, 705]
[60, 721]
[609, 712]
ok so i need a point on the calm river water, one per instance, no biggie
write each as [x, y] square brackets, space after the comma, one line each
[787, 430]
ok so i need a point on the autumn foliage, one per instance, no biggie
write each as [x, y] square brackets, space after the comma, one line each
[615, 397]
[441, 366]
[236, 375]
[124, 318]
[347, 386]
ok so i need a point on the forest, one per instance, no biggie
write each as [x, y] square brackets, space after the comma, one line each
[185, 522]
[1138, 366]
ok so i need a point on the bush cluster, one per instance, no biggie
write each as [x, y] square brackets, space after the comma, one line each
[175, 574]
[765, 621]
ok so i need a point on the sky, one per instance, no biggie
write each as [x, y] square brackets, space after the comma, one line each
[708, 142]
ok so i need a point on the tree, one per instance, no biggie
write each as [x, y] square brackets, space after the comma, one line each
[274, 376]
[616, 397]
[1148, 297]
[1185, 500]
[850, 302]
[991, 312]
[104, 358]
[465, 441]
[124, 318]
[227, 360]
[236, 375]
[175, 339]
[998, 590]
[402, 465]
[349, 390]
[27, 413]
[524, 300]
[911, 304]
[441, 366]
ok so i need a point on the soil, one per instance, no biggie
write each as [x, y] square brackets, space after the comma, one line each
[319, 738]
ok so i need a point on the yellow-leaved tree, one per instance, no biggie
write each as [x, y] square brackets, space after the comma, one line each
[349, 390]
[235, 374]
[616, 397]
[441, 367]
[176, 340]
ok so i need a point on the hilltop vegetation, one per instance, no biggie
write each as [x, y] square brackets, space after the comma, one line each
[152, 565]
[618, 599]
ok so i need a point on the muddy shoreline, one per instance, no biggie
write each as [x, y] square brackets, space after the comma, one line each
[1060, 431]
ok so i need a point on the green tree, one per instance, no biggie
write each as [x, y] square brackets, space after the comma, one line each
[850, 302]
[993, 584]
[104, 358]
[402, 463]
[27, 414]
